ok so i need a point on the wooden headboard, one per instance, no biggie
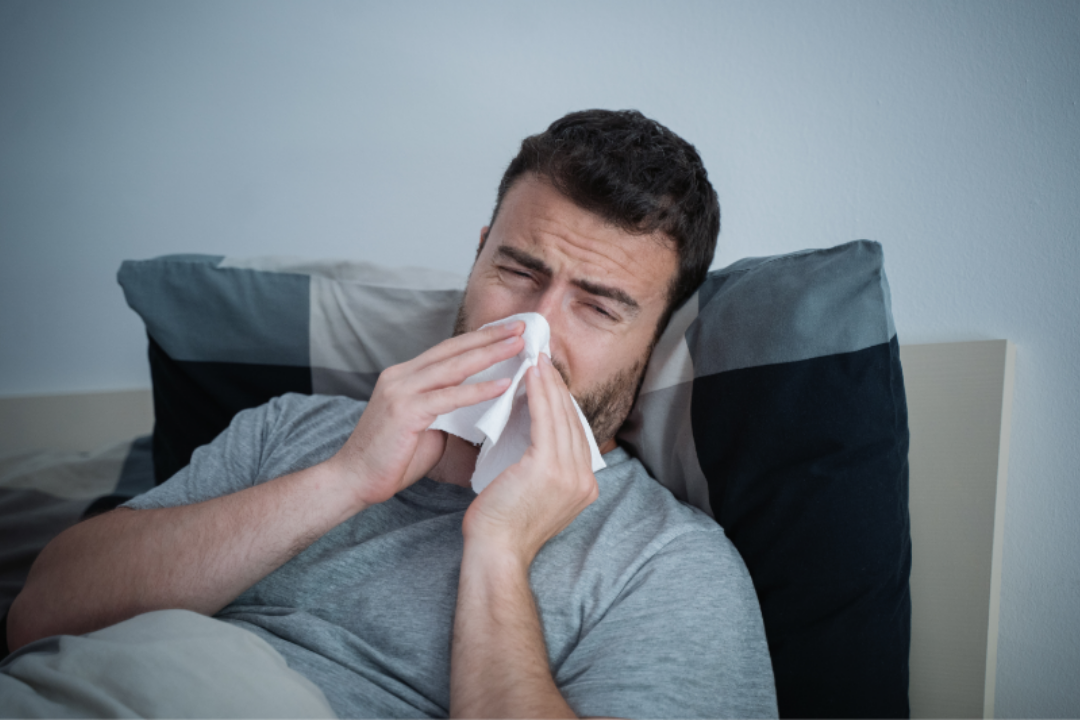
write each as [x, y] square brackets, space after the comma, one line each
[959, 402]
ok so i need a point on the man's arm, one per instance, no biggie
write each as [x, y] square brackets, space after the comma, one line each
[197, 557]
[499, 662]
[202, 556]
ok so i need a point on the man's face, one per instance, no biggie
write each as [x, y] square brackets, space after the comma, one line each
[602, 291]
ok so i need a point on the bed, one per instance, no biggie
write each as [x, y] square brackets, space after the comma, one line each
[809, 351]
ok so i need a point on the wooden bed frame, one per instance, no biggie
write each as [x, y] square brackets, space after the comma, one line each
[959, 404]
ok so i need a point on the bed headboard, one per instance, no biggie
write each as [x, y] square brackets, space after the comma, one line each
[959, 405]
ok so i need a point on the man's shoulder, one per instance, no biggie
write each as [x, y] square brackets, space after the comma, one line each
[292, 404]
[628, 482]
[288, 433]
[293, 412]
[637, 514]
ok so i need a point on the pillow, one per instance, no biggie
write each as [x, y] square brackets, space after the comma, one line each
[228, 334]
[774, 401]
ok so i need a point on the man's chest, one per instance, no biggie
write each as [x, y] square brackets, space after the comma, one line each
[389, 586]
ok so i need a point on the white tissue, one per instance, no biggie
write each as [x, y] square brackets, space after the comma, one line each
[503, 424]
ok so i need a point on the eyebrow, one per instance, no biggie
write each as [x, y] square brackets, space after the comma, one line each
[529, 262]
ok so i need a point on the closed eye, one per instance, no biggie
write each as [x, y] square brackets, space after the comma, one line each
[603, 312]
[515, 271]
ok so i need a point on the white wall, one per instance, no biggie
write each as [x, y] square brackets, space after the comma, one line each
[946, 130]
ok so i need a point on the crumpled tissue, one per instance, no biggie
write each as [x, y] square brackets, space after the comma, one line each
[502, 424]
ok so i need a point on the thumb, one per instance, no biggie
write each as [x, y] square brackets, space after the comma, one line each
[429, 450]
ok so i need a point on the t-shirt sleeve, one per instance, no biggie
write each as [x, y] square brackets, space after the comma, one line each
[284, 435]
[683, 639]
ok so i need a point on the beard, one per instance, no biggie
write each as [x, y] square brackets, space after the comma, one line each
[605, 405]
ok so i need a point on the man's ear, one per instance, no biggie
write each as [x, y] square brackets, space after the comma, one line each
[483, 238]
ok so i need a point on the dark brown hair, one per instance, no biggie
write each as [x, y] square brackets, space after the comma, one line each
[637, 175]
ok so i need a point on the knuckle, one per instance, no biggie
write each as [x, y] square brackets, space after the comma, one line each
[401, 370]
[441, 396]
[390, 375]
[587, 488]
[396, 407]
[594, 493]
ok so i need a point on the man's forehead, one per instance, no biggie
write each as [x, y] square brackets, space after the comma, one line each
[536, 198]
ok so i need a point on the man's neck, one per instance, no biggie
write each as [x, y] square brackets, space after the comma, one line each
[457, 463]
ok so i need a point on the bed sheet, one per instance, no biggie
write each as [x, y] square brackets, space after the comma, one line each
[42, 493]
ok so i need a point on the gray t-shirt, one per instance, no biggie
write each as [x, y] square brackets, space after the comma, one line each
[647, 608]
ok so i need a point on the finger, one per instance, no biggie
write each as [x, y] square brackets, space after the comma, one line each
[457, 369]
[568, 403]
[465, 342]
[440, 402]
[579, 441]
[431, 445]
[539, 410]
[561, 427]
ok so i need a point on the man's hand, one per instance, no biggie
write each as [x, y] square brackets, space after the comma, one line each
[533, 500]
[391, 446]
[499, 663]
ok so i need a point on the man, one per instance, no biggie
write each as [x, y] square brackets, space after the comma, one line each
[348, 538]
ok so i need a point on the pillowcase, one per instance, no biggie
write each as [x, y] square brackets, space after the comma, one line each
[228, 334]
[774, 401]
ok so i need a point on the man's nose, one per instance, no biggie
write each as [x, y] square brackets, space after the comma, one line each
[550, 305]
[546, 304]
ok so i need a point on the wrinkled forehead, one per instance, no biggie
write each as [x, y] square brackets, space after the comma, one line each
[539, 222]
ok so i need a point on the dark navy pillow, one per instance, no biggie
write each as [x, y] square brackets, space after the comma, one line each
[774, 401]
